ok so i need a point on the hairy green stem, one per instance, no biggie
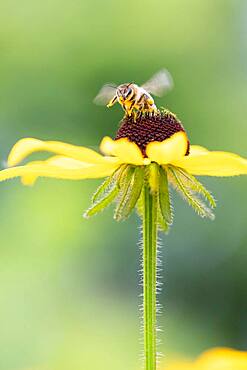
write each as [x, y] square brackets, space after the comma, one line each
[149, 277]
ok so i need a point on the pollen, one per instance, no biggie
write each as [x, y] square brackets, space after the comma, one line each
[147, 128]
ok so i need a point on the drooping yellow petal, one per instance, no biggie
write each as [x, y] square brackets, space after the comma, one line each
[213, 164]
[48, 170]
[30, 179]
[123, 149]
[169, 150]
[56, 160]
[25, 147]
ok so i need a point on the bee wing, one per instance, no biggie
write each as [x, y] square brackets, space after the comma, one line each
[159, 83]
[105, 94]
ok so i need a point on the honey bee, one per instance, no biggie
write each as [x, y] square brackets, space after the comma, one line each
[134, 98]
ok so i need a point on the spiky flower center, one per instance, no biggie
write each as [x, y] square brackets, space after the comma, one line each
[150, 127]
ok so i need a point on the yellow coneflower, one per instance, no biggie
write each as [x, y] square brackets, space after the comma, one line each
[148, 153]
[155, 148]
[214, 359]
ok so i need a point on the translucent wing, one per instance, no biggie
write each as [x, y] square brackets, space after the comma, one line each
[105, 94]
[159, 83]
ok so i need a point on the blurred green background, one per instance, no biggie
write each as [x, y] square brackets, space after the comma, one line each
[69, 286]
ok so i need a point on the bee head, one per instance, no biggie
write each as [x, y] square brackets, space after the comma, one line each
[124, 92]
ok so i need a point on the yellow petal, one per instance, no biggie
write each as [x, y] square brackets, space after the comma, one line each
[214, 359]
[197, 149]
[222, 359]
[125, 150]
[66, 162]
[29, 180]
[25, 147]
[48, 170]
[169, 150]
[213, 164]
[56, 160]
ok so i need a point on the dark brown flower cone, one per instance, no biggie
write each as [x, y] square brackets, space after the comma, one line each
[149, 127]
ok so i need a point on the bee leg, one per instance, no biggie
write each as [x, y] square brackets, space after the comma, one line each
[155, 109]
[112, 102]
[139, 113]
[150, 111]
[132, 106]
[125, 109]
[149, 106]
[130, 109]
[135, 115]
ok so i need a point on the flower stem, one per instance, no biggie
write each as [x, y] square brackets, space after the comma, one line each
[149, 277]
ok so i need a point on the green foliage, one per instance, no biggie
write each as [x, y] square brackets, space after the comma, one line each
[162, 224]
[108, 183]
[102, 189]
[124, 194]
[124, 186]
[164, 197]
[196, 186]
[103, 202]
[158, 184]
[191, 189]
[130, 194]
[140, 205]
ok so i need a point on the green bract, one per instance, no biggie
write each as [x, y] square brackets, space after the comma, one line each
[125, 188]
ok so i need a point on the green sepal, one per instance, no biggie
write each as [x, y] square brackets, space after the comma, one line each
[101, 189]
[131, 185]
[124, 183]
[164, 197]
[103, 202]
[140, 205]
[196, 186]
[107, 184]
[188, 193]
[163, 226]
[158, 189]
[132, 195]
